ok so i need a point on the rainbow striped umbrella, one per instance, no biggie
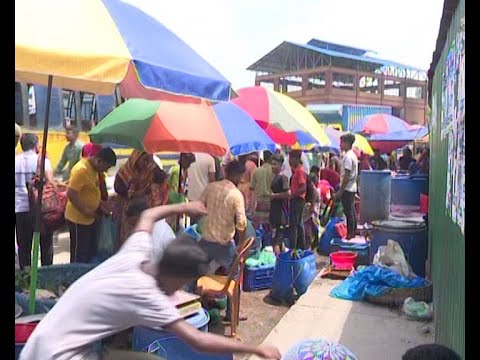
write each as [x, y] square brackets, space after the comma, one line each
[360, 145]
[93, 45]
[269, 107]
[162, 126]
[380, 124]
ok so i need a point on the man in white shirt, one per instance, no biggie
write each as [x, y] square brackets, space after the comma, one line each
[200, 174]
[26, 165]
[348, 185]
[131, 289]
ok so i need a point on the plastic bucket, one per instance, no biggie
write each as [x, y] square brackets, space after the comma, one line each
[23, 332]
[291, 274]
[343, 260]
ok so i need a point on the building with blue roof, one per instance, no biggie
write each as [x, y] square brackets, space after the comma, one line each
[321, 73]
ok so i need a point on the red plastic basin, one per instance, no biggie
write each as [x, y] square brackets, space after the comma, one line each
[23, 332]
[343, 260]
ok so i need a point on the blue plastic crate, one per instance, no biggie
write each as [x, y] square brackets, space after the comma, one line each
[168, 346]
[258, 278]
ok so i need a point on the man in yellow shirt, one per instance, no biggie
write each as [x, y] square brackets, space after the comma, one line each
[83, 206]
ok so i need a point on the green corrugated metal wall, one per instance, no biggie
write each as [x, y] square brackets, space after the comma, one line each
[447, 251]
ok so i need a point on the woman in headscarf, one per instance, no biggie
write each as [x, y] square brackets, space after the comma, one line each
[133, 180]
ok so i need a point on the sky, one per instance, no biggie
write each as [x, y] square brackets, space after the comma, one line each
[233, 34]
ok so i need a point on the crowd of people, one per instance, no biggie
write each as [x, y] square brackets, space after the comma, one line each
[283, 193]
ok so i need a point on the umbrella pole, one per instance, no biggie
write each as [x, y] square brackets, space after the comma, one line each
[38, 212]
[177, 222]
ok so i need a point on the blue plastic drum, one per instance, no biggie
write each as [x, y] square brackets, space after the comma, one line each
[411, 235]
[375, 195]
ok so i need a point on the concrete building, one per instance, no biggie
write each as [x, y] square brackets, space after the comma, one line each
[320, 72]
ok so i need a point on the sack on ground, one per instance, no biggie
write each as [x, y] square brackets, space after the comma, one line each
[392, 257]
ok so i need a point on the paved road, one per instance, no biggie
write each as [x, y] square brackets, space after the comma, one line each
[371, 332]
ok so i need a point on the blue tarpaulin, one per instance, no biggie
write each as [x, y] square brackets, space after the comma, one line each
[373, 281]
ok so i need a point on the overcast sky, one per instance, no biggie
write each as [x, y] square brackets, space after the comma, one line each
[233, 34]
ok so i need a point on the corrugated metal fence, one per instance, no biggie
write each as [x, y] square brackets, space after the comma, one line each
[353, 113]
[447, 250]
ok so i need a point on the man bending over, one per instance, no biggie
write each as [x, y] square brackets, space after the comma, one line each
[131, 289]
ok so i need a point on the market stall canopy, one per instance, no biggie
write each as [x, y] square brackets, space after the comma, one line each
[360, 145]
[380, 124]
[269, 107]
[243, 134]
[156, 126]
[93, 45]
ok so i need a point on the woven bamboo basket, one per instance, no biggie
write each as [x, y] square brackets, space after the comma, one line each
[396, 297]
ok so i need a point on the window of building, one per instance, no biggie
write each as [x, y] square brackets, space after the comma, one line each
[316, 81]
[392, 88]
[343, 81]
[415, 92]
[369, 85]
[267, 85]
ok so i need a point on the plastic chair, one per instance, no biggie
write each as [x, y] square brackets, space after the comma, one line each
[218, 286]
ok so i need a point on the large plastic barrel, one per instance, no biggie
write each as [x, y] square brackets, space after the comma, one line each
[406, 191]
[374, 195]
[411, 235]
[293, 274]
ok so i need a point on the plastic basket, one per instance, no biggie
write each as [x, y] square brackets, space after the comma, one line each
[172, 348]
[258, 278]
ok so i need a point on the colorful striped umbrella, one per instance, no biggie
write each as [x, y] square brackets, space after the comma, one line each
[93, 45]
[295, 139]
[156, 126]
[243, 134]
[360, 145]
[269, 107]
[407, 135]
[380, 124]
[389, 142]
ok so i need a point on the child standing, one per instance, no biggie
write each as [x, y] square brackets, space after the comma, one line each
[279, 204]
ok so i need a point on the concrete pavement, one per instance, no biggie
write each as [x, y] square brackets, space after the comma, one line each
[371, 332]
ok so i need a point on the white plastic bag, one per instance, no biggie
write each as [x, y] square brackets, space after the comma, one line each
[392, 257]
